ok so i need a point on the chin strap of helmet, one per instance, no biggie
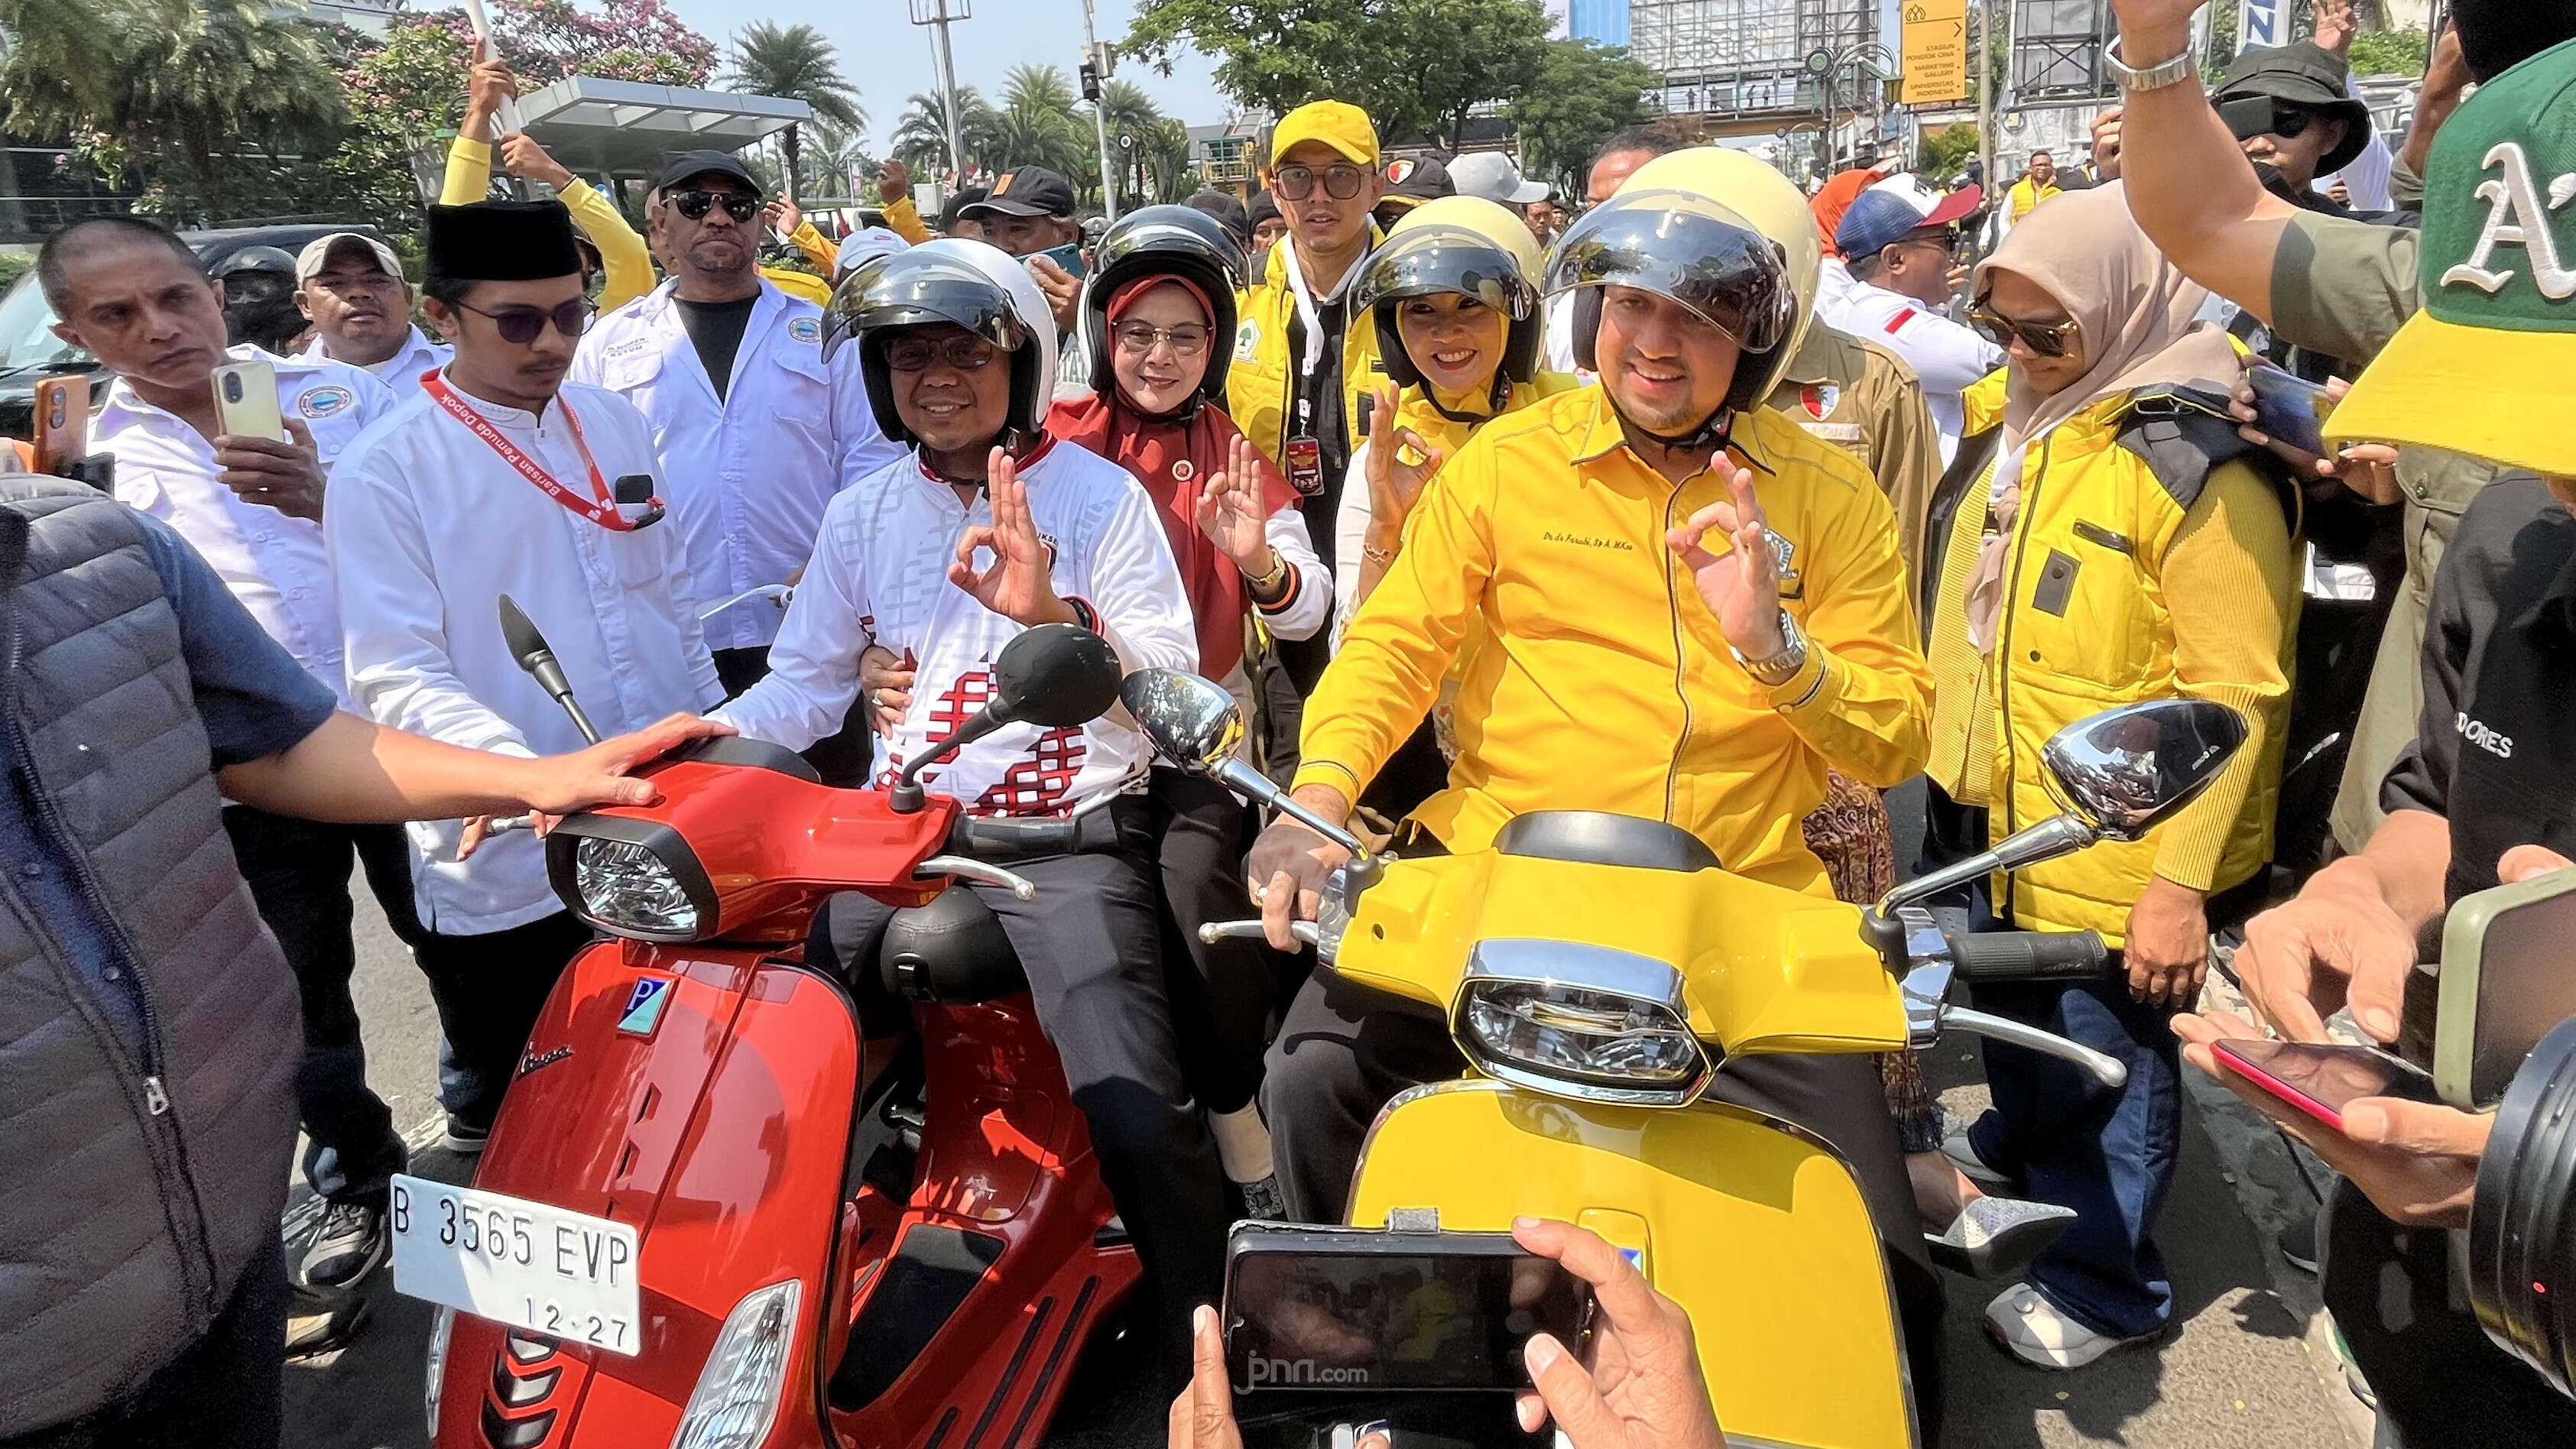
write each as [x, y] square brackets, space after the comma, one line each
[1714, 431]
[1495, 397]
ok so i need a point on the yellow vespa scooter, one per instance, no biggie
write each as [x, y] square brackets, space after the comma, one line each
[1599, 970]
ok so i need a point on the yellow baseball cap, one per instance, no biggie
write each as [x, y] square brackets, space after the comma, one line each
[1338, 124]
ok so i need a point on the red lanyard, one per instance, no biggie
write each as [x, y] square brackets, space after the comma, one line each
[600, 508]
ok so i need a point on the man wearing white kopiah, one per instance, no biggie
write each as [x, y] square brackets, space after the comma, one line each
[502, 478]
[755, 430]
[987, 528]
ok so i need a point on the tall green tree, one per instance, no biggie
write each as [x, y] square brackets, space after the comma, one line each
[1584, 95]
[1416, 66]
[1167, 161]
[795, 62]
[200, 95]
[1134, 121]
[921, 136]
[1038, 127]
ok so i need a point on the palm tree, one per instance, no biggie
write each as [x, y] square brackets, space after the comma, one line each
[182, 86]
[1038, 88]
[1131, 116]
[921, 137]
[1167, 160]
[796, 62]
[836, 155]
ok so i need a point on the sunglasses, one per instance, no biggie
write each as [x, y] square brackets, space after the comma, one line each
[1298, 182]
[2250, 116]
[2047, 339]
[1947, 239]
[915, 354]
[696, 204]
[520, 326]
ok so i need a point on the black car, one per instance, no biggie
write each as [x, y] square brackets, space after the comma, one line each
[30, 352]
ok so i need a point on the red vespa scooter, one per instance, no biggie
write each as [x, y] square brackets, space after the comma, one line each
[693, 1226]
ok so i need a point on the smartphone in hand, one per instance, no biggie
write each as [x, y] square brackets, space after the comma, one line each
[2289, 408]
[62, 422]
[246, 400]
[2322, 1080]
[1068, 256]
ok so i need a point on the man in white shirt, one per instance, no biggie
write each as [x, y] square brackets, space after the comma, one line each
[1070, 538]
[754, 430]
[502, 478]
[350, 287]
[1898, 240]
[130, 294]
[1611, 165]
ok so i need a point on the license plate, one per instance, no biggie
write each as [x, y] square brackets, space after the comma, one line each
[563, 1274]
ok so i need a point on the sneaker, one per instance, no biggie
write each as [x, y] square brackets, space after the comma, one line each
[2031, 1329]
[2298, 1242]
[464, 1138]
[1263, 1201]
[350, 1245]
[1963, 1155]
[322, 1320]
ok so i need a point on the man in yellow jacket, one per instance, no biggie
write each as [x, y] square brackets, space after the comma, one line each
[1665, 601]
[1302, 361]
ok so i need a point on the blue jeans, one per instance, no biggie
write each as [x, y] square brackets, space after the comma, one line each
[2107, 1154]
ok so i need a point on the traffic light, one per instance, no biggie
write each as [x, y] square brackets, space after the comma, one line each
[1090, 83]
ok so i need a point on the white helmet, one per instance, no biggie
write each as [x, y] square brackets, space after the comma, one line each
[970, 284]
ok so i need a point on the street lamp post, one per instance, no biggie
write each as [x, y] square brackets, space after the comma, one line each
[1826, 64]
[938, 14]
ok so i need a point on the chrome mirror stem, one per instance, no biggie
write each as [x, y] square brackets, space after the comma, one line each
[2058, 835]
[1241, 778]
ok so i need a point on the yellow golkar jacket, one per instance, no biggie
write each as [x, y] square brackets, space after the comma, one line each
[1593, 676]
[1258, 395]
[2149, 560]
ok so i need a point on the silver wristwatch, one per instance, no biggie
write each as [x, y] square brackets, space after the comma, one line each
[1782, 667]
[2154, 77]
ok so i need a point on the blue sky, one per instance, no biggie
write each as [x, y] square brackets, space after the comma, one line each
[889, 59]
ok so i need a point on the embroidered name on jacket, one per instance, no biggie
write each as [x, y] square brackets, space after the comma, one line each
[2484, 736]
[1588, 540]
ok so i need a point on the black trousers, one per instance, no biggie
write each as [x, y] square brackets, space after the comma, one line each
[842, 758]
[1346, 1049]
[1223, 996]
[299, 876]
[1091, 945]
[225, 1391]
[488, 990]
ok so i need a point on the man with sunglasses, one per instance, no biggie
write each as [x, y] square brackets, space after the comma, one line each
[2287, 108]
[1898, 240]
[754, 430]
[1300, 367]
[502, 478]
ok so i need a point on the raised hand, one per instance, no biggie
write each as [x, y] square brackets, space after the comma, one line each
[1231, 511]
[1741, 586]
[783, 214]
[522, 156]
[487, 85]
[894, 182]
[1394, 484]
[1017, 586]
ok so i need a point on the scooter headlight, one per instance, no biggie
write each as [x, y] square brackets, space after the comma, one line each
[1579, 1021]
[631, 877]
[737, 1395]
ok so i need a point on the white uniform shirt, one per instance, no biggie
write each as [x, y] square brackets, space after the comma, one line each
[880, 576]
[400, 372]
[273, 562]
[745, 479]
[1948, 357]
[428, 527]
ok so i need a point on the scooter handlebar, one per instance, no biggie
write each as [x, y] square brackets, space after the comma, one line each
[1009, 836]
[1215, 931]
[2031, 956]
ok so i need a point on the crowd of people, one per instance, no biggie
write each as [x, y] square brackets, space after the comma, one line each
[1706, 501]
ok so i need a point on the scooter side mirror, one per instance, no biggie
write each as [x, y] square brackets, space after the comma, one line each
[1190, 721]
[528, 646]
[1057, 675]
[2124, 770]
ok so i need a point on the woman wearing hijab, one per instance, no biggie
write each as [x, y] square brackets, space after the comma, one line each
[2119, 543]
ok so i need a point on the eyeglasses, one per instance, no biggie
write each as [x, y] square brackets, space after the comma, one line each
[696, 204]
[1947, 239]
[2047, 339]
[1297, 183]
[519, 326]
[1138, 338]
[916, 354]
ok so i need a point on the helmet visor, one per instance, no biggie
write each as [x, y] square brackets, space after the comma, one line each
[1433, 260]
[1163, 236]
[1685, 247]
[913, 289]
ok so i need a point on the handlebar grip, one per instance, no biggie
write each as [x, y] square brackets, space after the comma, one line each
[2031, 956]
[988, 834]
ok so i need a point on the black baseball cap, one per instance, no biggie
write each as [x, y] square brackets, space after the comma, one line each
[1228, 212]
[686, 165]
[1025, 191]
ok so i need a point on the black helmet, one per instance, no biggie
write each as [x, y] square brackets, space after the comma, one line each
[968, 283]
[1461, 245]
[1165, 241]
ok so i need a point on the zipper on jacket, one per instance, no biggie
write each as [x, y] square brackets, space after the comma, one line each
[156, 1097]
[1681, 662]
[2003, 644]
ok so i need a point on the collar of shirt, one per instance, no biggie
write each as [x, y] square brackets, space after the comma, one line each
[1603, 434]
[656, 316]
[403, 370]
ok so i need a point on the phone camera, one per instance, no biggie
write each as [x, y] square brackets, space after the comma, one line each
[232, 388]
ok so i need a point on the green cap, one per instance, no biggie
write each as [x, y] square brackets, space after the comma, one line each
[2481, 367]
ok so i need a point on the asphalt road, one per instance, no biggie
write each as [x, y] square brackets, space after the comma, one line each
[2247, 1365]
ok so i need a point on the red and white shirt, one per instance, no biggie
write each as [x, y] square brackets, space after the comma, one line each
[1948, 357]
[880, 576]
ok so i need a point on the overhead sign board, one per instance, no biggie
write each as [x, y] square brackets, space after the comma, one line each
[1934, 51]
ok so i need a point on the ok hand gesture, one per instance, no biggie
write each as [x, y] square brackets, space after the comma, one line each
[1231, 512]
[1742, 586]
[1017, 586]
[1393, 484]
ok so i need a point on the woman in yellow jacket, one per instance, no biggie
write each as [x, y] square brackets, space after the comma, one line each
[1452, 294]
[2120, 543]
